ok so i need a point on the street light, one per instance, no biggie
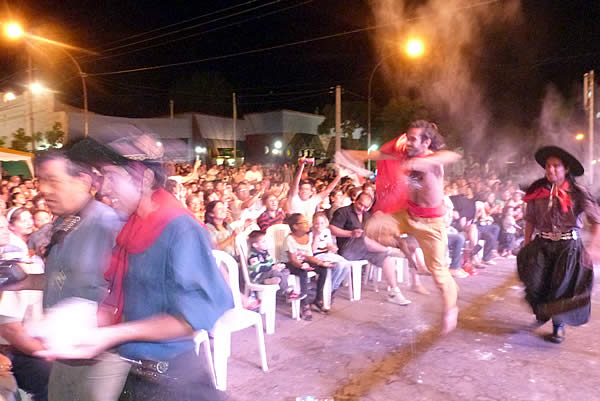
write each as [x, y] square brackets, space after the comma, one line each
[579, 137]
[414, 48]
[36, 88]
[8, 96]
[14, 31]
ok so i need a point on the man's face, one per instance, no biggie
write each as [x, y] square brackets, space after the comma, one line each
[121, 188]
[59, 188]
[555, 170]
[272, 204]
[362, 205]
[414, 145]
[243, 192]
[305, 191]
[208, 186]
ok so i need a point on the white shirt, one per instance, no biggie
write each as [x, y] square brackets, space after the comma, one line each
[253, 176]
[307, 208]
[22, 306]
[297, 249]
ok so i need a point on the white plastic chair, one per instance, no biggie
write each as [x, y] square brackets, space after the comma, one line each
[235, 319]
[355, 286]
[374, 272]
[201, 338]
[276, 235]
[267, 293]
[275, 238]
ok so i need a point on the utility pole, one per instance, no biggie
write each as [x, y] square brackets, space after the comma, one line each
[171, 108]
[588, 104]
[234, 130]
[29, 92]
[338, 118]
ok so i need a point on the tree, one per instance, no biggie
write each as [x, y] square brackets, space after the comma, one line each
[21, 141]
[55, 136]
[354, 123]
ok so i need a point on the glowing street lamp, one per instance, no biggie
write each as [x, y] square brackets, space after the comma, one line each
[13, 30]
[579, 137]
[36, 88]
[414, 49]
[8, 96]
[277, 145]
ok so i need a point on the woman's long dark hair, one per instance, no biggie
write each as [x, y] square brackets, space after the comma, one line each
[209, 213]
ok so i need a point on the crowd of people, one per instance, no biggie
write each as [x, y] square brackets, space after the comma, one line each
[69, 207]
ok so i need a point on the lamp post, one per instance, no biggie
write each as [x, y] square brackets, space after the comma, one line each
[414, 48]
[14, 31]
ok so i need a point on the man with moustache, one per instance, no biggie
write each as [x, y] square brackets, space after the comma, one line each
[556, 269]
[410, 188]
[79, 251]
[163, 280]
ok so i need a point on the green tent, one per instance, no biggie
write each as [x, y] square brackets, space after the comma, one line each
[15, 162]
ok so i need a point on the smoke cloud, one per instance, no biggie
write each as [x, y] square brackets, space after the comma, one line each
[452, 31]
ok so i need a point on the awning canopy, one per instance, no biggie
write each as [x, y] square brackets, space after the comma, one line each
[11, 156]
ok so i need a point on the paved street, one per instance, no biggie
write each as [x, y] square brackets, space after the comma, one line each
[372, 350]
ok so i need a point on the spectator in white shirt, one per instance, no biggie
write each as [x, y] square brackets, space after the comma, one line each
[302, 199]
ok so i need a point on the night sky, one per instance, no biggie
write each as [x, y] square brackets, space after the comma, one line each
[553, 42]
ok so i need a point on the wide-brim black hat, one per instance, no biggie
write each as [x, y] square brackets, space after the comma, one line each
[571, 163]
[120, 152]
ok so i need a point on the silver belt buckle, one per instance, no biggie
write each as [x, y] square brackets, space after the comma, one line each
[553, 236]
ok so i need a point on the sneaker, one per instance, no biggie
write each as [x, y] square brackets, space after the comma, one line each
[396, 297]
[459, 273]
[490, 262]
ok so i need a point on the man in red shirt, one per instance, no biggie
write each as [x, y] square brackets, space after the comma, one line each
[410, 188]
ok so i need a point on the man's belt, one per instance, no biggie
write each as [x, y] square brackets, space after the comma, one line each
[553, 236]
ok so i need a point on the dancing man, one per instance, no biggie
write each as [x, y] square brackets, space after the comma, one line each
[410, 188]
[554, 266]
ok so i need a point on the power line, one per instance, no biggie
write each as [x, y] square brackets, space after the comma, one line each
[203, 32]
[275, 47]
[178, 23]
[189, 27]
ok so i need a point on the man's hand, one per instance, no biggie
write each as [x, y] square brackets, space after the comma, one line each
[357, 233]
[93, 343]
[279, 266]
[332, 248]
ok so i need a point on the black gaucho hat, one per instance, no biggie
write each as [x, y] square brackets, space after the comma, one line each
[570, 161]
[121, 152]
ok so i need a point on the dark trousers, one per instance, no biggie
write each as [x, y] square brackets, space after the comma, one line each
[304, 282]
[187, 379]
[31, 374]
[489, 234]
[456, 242]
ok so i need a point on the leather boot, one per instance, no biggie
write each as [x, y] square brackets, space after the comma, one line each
[558, 333]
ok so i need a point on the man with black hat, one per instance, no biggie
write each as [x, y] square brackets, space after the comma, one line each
[553, 264]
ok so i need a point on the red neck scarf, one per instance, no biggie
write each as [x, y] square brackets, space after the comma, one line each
[137, 235]
[392, 183]
[559, 192]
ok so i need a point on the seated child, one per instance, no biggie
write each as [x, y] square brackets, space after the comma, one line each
[261, 268]
[325, 249]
